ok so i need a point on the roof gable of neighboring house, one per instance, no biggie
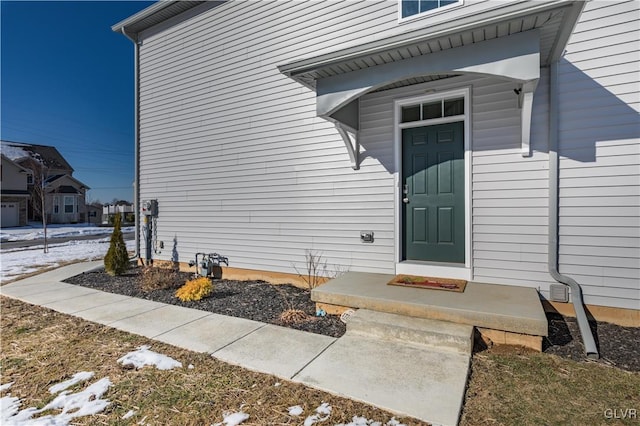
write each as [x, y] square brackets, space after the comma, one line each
[48, 156]
[65, 184]
[12, 165]
[14, 177]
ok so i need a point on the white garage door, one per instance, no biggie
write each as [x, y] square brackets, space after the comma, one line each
[9, 215]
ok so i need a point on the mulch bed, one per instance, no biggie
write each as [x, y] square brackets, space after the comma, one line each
[618, 346]
[261, 301]
[254, 300]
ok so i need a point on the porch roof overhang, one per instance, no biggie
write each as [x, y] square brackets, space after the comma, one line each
[510, 42]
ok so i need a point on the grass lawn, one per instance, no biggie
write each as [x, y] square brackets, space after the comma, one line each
[513, 386]
[41, 347]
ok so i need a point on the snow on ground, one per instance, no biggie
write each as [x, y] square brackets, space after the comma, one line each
[322, 413]
[233, 419]
[34, 231]
[296, 410]
[82, 376]
[15, 262]
[83, 403]
[143, 356]
[130, 413]
[363, 421]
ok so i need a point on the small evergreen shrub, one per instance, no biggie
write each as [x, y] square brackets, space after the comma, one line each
[116, 262]
[157, 278]
[195, 289]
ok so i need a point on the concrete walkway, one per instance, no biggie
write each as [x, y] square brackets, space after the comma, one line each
[373, 362]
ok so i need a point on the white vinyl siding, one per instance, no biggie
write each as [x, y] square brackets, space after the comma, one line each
[235, 154]
[599, 83]
[510, 192]
[241, 165]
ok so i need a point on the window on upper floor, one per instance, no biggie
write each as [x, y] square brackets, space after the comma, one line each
[410, 8]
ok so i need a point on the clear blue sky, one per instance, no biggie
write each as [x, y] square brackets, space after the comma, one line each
[67, 81]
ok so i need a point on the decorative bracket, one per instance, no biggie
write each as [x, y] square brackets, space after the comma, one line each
[350, 139]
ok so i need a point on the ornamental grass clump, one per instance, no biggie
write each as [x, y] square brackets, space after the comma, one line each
[294, 316]
[195, 289]
[152, 278]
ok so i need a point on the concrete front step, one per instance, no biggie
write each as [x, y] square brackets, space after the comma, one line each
[496, 307]
[439, 335]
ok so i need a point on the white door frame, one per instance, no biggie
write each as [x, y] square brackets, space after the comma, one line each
[445, 270]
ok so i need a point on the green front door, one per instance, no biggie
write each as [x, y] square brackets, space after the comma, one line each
[433, 193]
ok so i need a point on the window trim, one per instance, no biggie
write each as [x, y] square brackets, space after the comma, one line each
[431, 12]
[73, 204]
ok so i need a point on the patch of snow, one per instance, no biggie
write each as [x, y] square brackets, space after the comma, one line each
[190, 367]
[83, 403]
[13, 151]
[9, 406]
[233, 419]
[296, 410]
[359, 421]
[363, 421]
[323, 409]
[143, 356]
[277, 384]
[82, 376]
[6, 386]
[130, 413]
[34, 231]
[16, 262]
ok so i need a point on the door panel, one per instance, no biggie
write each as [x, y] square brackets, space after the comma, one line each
[433, 179]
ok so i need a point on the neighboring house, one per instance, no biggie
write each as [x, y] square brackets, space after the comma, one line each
[64, 194]
[124, 209]
[94, 213]
[483, 140]
[15, 196]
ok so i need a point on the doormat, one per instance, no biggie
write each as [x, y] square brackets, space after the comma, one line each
[429, 282]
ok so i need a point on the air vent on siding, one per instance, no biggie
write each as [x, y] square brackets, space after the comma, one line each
[559, 293]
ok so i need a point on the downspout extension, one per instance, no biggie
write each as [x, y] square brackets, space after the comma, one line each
[136, 137]
[576, 292]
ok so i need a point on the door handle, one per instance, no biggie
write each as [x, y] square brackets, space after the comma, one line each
[405, 200]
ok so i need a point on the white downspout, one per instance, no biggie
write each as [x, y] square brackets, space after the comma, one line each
[136, 137]
[576, 292]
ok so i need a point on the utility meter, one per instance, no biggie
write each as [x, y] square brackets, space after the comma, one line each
[150, 207]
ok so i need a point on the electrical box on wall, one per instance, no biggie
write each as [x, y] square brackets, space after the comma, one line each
[150, 207]
[366, 236]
